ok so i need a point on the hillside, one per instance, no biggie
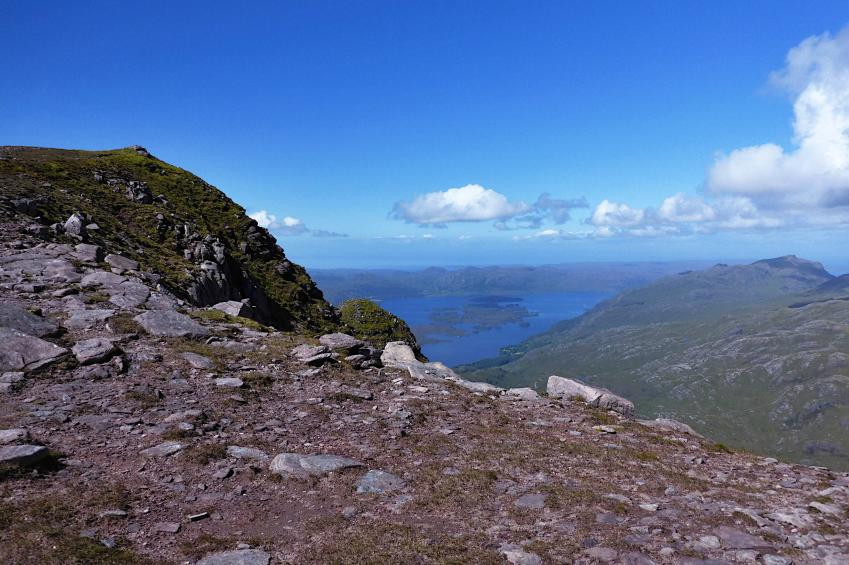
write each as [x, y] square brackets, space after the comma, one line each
[140, 427]
[754, 356]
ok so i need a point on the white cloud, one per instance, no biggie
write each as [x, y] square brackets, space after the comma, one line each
[815, 173]
[470, 203]
[683, 208]
[613, 214]
[289, 225]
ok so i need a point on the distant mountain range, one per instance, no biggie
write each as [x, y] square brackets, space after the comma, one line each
[756, 356]
[342, 284]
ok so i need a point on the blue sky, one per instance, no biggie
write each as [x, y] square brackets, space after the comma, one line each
[657, 130]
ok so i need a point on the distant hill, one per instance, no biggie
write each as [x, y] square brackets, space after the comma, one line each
[755, 355]
[343, 284]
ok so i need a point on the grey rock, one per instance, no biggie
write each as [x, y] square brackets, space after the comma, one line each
[237, 557]
[167, 527]
[734, 538]
[229, 382]
[341, 341]
[88, 253]
[164, 449]
[523, 393]
[246, 453]
[477, 386]
[515, 555]
[379, 482]
[87, 319]
[319, 359]
[235, 308]
[305, 351]
[198, 361]
[533, 501]
[302, 466]
[102, 278]
[93, 350]
[22, 455]
[559, 387]
[75, 225]
[171, 324]
[129, 294]
[637, 558]
[15, 317]
[120, 264]
[603, 554]
[670, 425]
[12, 435]
[398, 354]
[22, 352]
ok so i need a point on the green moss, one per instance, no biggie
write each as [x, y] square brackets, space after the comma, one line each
[366, 320]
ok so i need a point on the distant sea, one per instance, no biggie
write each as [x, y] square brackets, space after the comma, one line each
[459, 350]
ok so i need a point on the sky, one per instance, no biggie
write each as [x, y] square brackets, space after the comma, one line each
[409, 134]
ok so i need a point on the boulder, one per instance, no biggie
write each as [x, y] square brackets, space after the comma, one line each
[120, 264]
[198, 361]
[93, 350]
[559, 387]
[235, 308]
[306, 351]
[87, 319]
[523, 393]
[246, 453]
[17, 318]
[88, 253]
[13, 435]
[75, 225]
[22, 352]
[341, 341]
[170, 324]
[22, 455]
[669, 424]
[237, 557]
[102, 278]
[229, 382]
[129, 294]
[398, 354]
[302, 466]
[379, 482]
[164, 449]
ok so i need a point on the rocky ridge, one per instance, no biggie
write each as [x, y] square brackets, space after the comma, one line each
[136, 428]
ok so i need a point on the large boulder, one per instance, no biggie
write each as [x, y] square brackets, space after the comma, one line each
[170, 324]
[22, 352]
[560, 387]
[341, 341]
[302, 466]
[23, 455]
[93, 350]
[17, 318]
[398, 354]
[235, 308]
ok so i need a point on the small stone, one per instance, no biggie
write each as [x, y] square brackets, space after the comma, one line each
[515, 555]
[246, 453]
[113, 514]
[167, 527]
[234, 308]
[524, 393]
[302, 466]
[93, 350]
[379, 482]
[237, 557]
[229, 382]
[198, 361]
[341, 341]
[198, 517]
[603, 554]
[162, 450]
[349, 512]
[605, 429]
[88, 253]
[650, 507]
[531, 501]
[170, 324]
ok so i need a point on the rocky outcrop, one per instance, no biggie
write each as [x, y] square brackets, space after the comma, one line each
[559, 387]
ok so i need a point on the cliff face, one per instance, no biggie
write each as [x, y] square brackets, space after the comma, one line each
[201, 245]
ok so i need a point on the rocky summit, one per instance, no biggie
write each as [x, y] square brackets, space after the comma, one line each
[140, 423]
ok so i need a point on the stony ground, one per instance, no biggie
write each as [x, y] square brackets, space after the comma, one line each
[164, 439]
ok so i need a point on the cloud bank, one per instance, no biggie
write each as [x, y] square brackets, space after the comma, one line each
[288, 225]
[474, 203]
[766, 186]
